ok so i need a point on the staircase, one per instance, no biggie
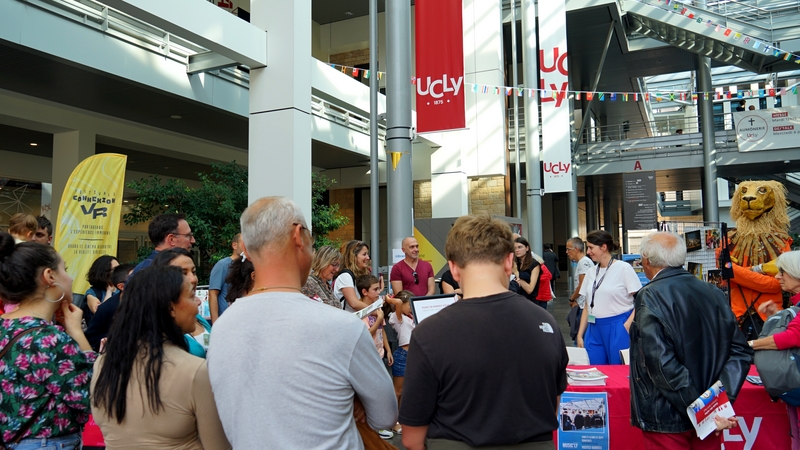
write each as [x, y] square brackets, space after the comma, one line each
[759, 27]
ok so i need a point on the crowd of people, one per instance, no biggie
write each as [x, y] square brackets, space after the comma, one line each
[283, 361]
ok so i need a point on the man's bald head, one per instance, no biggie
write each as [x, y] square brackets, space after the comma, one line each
[411, 248]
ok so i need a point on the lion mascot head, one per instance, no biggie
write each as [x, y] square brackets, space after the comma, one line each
[759, 208]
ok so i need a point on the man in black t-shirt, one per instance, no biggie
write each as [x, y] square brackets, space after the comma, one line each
[489, 369]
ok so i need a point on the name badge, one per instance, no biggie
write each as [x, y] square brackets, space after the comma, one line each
[591, 318]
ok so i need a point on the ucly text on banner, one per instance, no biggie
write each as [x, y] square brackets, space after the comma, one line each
[440, 65]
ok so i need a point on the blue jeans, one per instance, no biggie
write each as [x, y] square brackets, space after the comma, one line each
[68, 442]
[399, 366]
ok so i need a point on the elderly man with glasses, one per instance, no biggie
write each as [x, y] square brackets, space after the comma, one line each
[413, 274]
[575, 252]
[167, 231]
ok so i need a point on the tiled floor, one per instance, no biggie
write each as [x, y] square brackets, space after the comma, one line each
[559, 308]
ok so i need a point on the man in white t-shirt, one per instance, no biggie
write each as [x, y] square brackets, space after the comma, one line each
[576, 252]
[288, 371]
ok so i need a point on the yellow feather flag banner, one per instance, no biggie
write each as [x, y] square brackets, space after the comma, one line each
[89, 214]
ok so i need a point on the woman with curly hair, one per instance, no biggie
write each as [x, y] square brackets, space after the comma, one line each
[45, 365]
[355, 262]
[102, 288]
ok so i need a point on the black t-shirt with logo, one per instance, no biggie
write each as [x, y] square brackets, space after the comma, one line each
[486, 371]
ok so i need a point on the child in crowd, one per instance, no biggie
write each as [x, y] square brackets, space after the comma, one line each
[403, 323]
[369, 287]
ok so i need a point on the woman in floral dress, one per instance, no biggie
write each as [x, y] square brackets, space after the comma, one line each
[46, 369]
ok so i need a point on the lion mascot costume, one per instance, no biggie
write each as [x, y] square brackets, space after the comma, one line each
[760, 236]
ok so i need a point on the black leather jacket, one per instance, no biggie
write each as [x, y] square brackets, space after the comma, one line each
[683, 339]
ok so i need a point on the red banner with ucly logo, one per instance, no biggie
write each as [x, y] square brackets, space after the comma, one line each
[440, 65]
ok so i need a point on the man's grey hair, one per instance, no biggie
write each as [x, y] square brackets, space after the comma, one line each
[577, 243]
[266, 223]
[790, 263]
[663, 249]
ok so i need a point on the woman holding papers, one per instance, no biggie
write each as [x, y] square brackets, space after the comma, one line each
[789, 277]
[608, 312]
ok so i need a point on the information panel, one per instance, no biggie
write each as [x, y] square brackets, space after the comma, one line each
[640, 209]
[767, 129]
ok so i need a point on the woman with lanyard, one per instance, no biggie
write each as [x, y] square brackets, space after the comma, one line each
[609, 291]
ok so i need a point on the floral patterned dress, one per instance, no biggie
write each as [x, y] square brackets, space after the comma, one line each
[317, 289]
[46, 367]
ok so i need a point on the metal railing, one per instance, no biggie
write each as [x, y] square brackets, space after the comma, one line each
[663, 126]
[344, 117]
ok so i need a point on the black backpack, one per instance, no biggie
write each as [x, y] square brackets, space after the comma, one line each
[333, 283]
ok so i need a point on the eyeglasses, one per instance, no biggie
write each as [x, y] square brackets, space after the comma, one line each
[335, 265]
[416, 279]
[302, 227]
[188, 236]
[569, 249]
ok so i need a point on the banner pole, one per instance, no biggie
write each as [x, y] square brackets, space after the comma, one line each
[399, 181]
[374, 176]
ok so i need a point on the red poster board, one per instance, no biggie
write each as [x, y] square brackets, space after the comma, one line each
[440, 65]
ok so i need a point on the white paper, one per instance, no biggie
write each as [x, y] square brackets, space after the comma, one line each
[426, 308]
[369, 309]
[713, 402]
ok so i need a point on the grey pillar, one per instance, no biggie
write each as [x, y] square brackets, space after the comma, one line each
[608, 220]
[532, 157]
[374, 176]
[591, 211]
[515, 83]
[572, 206]
[710, 196]
[399, 182]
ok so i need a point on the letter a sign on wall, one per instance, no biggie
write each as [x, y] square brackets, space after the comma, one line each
[440, 65]
[554, 82]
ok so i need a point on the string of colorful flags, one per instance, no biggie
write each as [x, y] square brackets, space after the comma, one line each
[658, 96]
[664, 95]
[692, 13]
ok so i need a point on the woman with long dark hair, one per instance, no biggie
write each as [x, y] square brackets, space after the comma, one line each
[102, 288]
[527, 271]
[148, 390]
[608, 312]
[45, 367]
[198, 338]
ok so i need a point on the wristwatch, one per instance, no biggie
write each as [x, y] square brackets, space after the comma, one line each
[750, 343]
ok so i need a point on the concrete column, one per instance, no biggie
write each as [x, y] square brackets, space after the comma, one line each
[449, 182]
[69, 149]
[710, 196]
[280, 104]
[608, 218]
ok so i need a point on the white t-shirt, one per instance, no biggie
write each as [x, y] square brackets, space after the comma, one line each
[584, 266]
[403, 329]
[614, 296]
[344, 281]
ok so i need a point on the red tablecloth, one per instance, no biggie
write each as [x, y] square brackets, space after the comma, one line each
[763, 422]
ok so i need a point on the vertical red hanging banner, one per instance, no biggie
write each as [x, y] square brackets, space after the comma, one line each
[440, 65]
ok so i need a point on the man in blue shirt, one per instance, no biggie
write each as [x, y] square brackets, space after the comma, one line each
[217, 287]
[167, 231]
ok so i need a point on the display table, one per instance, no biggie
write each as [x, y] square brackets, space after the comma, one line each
[763, 424]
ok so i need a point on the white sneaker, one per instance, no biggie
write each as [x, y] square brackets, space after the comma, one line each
[385, 434]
